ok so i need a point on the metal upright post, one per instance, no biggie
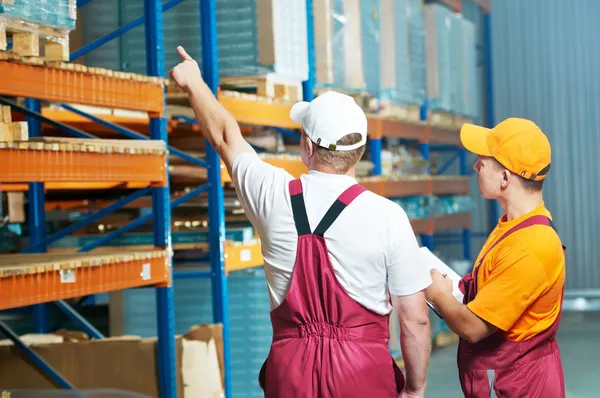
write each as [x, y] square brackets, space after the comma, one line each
[216, 212]
[489, 94]
[425, 149]
[466, 233]
[308, 86]
[161, 210]
[37, 215]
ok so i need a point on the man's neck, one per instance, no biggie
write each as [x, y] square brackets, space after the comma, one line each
[519, 206]
[329, 170]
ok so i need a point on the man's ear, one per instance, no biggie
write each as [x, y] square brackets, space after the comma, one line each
[310, 146]
[506, 176]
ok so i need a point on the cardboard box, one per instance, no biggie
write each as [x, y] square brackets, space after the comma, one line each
[126, 363]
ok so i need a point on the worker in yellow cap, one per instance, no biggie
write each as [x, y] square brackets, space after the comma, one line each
[512, 303]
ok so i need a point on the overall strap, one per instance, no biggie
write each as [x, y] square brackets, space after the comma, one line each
[337, 207]
[298, 208]
[534, 220]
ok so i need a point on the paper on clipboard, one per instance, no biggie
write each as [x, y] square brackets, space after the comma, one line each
[432, 262]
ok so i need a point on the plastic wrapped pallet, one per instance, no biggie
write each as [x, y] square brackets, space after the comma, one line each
[438, 22]
[469, 70]
[30, 20]
[60, 14]
[416, 40]
[387, 27]
[338, 51]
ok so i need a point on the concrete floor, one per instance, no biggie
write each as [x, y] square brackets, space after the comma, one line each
[579, 341]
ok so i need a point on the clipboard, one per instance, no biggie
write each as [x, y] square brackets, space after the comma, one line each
[433, 262]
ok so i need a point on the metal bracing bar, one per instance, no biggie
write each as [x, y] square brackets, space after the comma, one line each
[61, 126]
[132, 134]
[448, 163]
[114, 34]
[187, 119]
[88, 220]
[287, 133]
[140, 221]
[81, 321]
[35, 358]
[83, 3]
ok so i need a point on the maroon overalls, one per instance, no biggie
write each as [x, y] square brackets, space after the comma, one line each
[498, 367]
[325, 344]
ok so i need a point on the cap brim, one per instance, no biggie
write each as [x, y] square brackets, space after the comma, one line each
[298, 111]
[474, 139]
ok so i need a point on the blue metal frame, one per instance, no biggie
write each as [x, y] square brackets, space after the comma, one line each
[216, 212]
[161, 210]
[489, 82]
[37, 214]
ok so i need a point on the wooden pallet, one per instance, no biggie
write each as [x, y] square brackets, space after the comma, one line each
[11, 131]
[409, 113]
[441, 119]
[133, 147]
[270, 85]
[29, 38]
[364, 99]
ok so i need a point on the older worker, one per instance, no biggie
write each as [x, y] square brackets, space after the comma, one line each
[334, 254]
[513, 297]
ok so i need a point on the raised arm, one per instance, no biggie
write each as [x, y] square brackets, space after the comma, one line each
[217, 125]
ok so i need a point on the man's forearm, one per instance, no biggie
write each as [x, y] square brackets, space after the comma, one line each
[415, 341]
[213, 119]
[461, 320]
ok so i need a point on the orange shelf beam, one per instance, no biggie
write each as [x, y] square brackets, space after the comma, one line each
[242, 256]
[395, 188]
[398, 188]
[295, 167]
[60, 166]
[247, 111]
[442, 135]
[379, 127]
[27, 279]
[427, 226]
[76, 186]
[53, 84]
[450, 185]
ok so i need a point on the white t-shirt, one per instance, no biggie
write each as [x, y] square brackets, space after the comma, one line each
[372, 246]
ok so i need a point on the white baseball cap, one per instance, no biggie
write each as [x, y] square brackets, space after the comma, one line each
[328, 118]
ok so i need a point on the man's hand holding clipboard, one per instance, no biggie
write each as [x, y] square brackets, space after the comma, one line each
[441, 270]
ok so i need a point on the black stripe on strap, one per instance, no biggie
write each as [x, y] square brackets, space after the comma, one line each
[332, 214]
[300, 217]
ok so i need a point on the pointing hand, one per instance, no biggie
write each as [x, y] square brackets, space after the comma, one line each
[187, 72]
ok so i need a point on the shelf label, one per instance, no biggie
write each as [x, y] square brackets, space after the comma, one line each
[145, 272]
[67, 276]
[245, 255]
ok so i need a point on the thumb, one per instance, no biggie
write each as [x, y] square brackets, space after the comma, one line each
[184, 54]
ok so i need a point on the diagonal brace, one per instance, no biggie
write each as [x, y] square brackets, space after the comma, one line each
[132, 134]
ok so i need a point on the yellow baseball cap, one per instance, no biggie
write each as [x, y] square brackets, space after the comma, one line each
[518, 144]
